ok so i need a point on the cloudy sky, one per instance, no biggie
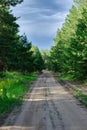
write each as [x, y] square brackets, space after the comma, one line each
[40, 19]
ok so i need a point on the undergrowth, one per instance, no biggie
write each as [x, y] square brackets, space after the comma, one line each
[12, 89]
[77, 92]
[82, 97]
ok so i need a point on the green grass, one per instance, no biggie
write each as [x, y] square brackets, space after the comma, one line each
[67, 76]
[77, 93]
[12, 89]
[82, 97]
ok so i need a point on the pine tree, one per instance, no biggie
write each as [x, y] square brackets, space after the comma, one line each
[8, 36]
[38, 61]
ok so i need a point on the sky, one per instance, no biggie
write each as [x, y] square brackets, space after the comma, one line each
[40, 19]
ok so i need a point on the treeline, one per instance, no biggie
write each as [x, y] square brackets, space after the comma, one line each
[69, 54]
[16, 53]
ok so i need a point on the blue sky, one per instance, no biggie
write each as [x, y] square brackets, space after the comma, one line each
[40, 19]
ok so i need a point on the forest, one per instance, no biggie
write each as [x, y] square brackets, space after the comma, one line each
[16, 52]
[20, 61]
[69, 53]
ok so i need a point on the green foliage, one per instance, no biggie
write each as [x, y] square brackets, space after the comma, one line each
[46, 58]
[69, 54]
[8, 37]
[5, 3]
[12, 89]
[24, 60]
[38, 61]
[15, 50]
[82, 97]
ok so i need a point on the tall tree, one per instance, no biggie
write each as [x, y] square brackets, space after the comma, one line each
[24, 55]
[69, 52]
[8, 33]
[46, 58]
[8, 36]
[38, 61]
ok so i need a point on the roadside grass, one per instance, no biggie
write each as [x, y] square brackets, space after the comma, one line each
[81, 97]
[67, 76]
[12, 89]
[78, 93]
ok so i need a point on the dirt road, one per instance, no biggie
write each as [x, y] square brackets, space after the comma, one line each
[49, 107]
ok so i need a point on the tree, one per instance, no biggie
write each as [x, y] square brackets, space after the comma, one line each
[38, 62]
[46, 58]
[8, 36]
[69, 54]
[7, 3]
[79, 43]
[24, 55]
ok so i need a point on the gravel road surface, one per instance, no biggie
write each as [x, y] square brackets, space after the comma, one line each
[48, 107]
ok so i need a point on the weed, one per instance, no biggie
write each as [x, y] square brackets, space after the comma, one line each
[12, 89]
[82, 97]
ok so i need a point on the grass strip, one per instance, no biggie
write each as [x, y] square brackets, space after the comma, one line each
[12, 89]
[82, 97]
